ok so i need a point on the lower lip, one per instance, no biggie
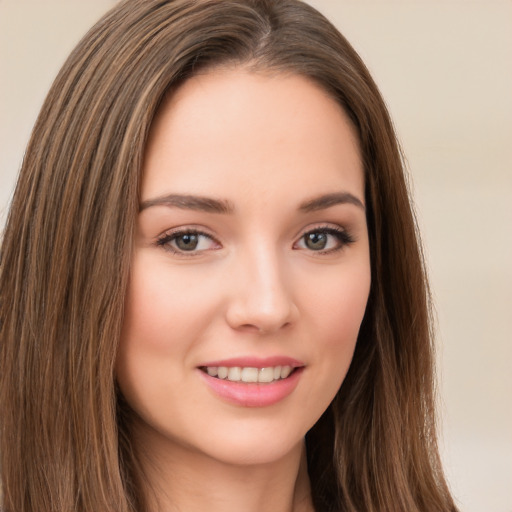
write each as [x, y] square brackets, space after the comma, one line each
[253, 394]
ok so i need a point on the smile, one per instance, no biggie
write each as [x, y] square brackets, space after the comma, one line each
[249, 374]
[250, 386]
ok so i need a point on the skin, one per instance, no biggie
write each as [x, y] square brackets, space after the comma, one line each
[253, 286]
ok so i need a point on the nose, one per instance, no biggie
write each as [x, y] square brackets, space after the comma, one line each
[262, 298]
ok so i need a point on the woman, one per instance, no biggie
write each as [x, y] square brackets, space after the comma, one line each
[213, 294]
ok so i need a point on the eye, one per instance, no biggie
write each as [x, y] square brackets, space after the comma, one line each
[324, 240]
[187, 241]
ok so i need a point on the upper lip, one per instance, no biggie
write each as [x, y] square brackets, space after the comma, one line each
[255, 362]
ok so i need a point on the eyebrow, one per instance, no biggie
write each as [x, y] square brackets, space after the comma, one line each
[211, 205]
[190, 202]
[327, 200]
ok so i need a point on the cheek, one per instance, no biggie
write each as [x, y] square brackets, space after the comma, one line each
[165, 318]
[336, 311]
[164, 309]
[338, 301]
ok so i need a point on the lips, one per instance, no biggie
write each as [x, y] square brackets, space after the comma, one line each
[252, 382]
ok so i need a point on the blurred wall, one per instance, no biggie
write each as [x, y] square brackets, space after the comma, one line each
[445, 69]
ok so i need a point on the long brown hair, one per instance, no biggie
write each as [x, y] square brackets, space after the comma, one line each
[65, 258]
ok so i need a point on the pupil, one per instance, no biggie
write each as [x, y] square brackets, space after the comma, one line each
[316, 241]
[187, 242]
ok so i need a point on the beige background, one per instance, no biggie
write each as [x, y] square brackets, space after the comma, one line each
[445, 69]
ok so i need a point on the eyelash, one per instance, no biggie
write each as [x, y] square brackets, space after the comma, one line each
[165, 241]
[343, 237]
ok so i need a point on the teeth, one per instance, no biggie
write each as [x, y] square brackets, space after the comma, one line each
[249, 375]
[239, 374]
[285, 371]
[234, 373]
[266, 375]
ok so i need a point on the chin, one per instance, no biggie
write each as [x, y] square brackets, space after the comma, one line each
[258, 453]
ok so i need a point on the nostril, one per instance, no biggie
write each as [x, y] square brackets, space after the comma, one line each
[250, 327]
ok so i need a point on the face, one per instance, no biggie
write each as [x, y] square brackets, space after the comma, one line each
[251, 271]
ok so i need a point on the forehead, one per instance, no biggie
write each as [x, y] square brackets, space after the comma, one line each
[250, 129]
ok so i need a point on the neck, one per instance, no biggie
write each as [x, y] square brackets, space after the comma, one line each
[183, 481]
